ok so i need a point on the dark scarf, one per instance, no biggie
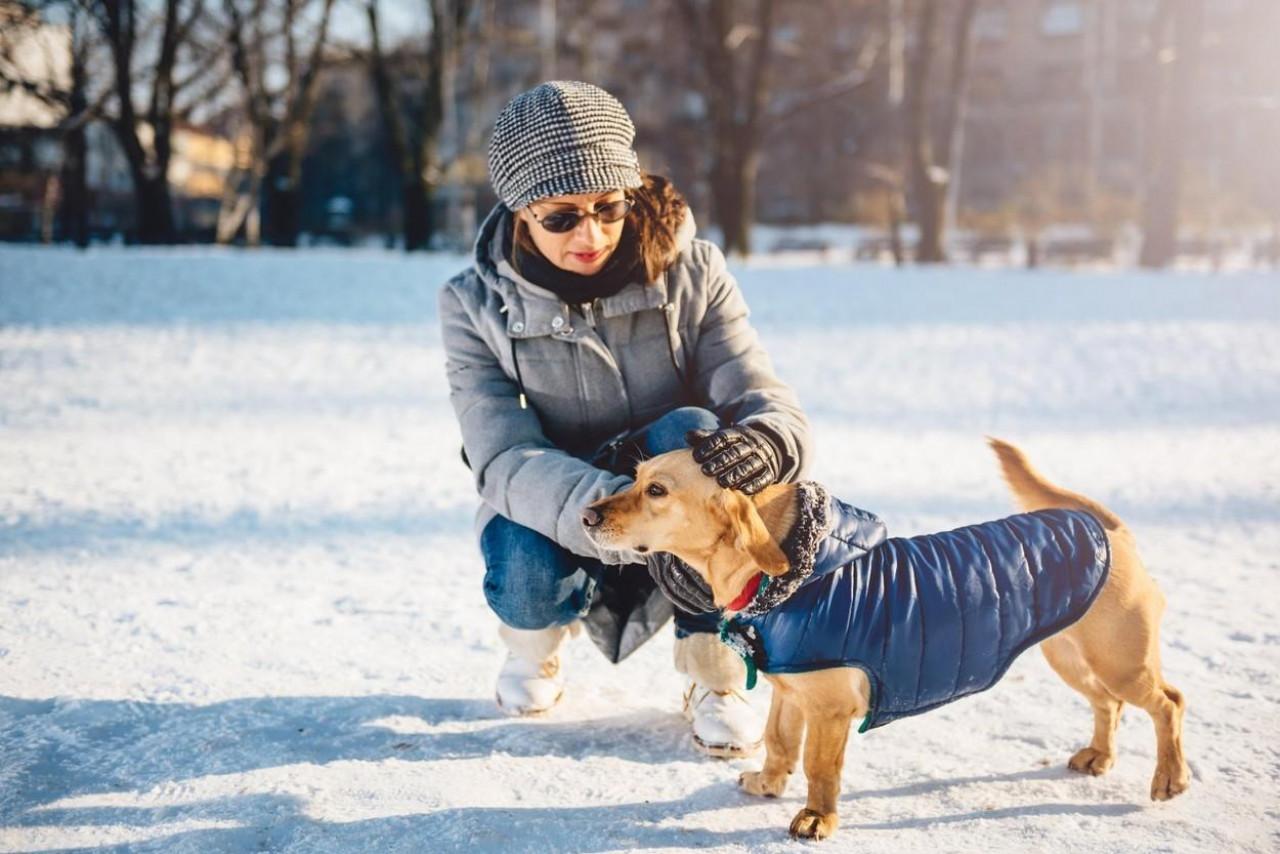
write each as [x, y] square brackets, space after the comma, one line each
[622, 268]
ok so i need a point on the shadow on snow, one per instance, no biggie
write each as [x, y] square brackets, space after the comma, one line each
[61, 749]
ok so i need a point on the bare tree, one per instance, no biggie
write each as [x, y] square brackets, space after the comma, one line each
[268, 42]
[932, 162]
[734, 59]
[145, 133]
[74, 208]
[880, 145]
[472, 86]
[415, 139]
[1176, 55]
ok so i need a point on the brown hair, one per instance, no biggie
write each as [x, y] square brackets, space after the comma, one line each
[658, 210]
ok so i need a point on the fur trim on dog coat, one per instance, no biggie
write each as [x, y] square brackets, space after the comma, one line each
[929, 619]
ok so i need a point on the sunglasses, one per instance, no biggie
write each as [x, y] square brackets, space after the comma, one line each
[563, 221]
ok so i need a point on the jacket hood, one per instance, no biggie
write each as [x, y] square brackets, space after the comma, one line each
[490, 259]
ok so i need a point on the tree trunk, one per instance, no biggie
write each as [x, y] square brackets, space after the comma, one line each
[417, 213]
[297, 154]
[897, 213]
[931, 214]
[150, 173]
[931, 177]
[49, 207]
[923, 174]
[448, 23]
[154, 209]
[240, 210]
[283, 203]
[73, 212]
[735, 103]
[952, 142]
[282, 226]
[417, 161]
[240, 199]
[748, 168]
[415, 229]
[280, 119]
[733, 197]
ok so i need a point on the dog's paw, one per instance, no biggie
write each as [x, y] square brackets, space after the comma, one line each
[813, 825]
[1091, 761]
[763, 785]
[1171, 780]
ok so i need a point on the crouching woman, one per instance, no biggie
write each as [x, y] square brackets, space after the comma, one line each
[591, 330]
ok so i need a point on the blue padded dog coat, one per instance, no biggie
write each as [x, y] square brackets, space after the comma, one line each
[930, 619]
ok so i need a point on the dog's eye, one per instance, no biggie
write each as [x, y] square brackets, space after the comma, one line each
[655, 490]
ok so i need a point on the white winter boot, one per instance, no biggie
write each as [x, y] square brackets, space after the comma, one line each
[531, 681]
[724, 724]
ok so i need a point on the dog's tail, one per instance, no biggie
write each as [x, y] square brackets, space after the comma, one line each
[1033, 491]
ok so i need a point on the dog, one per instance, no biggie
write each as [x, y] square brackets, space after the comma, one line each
[1107, 648]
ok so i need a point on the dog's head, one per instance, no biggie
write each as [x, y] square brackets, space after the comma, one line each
[674, 507]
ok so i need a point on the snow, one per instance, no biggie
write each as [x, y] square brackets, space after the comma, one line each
[240, 603]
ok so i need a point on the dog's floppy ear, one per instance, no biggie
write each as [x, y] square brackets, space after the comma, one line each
[750, 534]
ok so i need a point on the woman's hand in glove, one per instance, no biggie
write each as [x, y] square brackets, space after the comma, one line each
[738, 457]
[680, 583]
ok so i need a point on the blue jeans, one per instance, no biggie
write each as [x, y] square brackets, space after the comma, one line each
[531, 582]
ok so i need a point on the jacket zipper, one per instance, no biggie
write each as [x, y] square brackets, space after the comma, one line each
[597, 339]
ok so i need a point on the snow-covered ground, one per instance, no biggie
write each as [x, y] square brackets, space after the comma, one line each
[240, 606]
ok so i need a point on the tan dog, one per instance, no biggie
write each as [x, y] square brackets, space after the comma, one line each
[1111, 655]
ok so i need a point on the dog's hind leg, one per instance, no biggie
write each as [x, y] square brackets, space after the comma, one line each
[1121, 643]
[1064, 657]
[1123, 657]
[1166, 706]
[782, 736]
[1173, 775]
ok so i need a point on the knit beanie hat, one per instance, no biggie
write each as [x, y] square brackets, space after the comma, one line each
[561, 138]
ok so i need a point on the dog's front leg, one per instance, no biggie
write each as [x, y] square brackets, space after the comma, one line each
[782, 736]
[828, 733]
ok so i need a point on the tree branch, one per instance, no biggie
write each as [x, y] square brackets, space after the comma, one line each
[761, 64]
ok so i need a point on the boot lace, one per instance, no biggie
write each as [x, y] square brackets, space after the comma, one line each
[694, 688]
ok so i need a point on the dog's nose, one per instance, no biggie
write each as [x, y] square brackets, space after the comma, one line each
[591, 517]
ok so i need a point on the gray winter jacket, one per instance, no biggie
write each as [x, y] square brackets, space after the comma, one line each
[590, 377]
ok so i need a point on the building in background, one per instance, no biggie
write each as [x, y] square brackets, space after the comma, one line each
[1057, 125]
[1061, 90]
[1059, 97]
[30, 144]
[32, 155]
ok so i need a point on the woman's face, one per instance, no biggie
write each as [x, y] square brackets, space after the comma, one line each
[586, 247]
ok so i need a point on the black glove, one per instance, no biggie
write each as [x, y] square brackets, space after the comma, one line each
[680, 583]
[738, 457]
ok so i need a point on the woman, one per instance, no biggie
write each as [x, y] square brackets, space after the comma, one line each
[594, 329]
